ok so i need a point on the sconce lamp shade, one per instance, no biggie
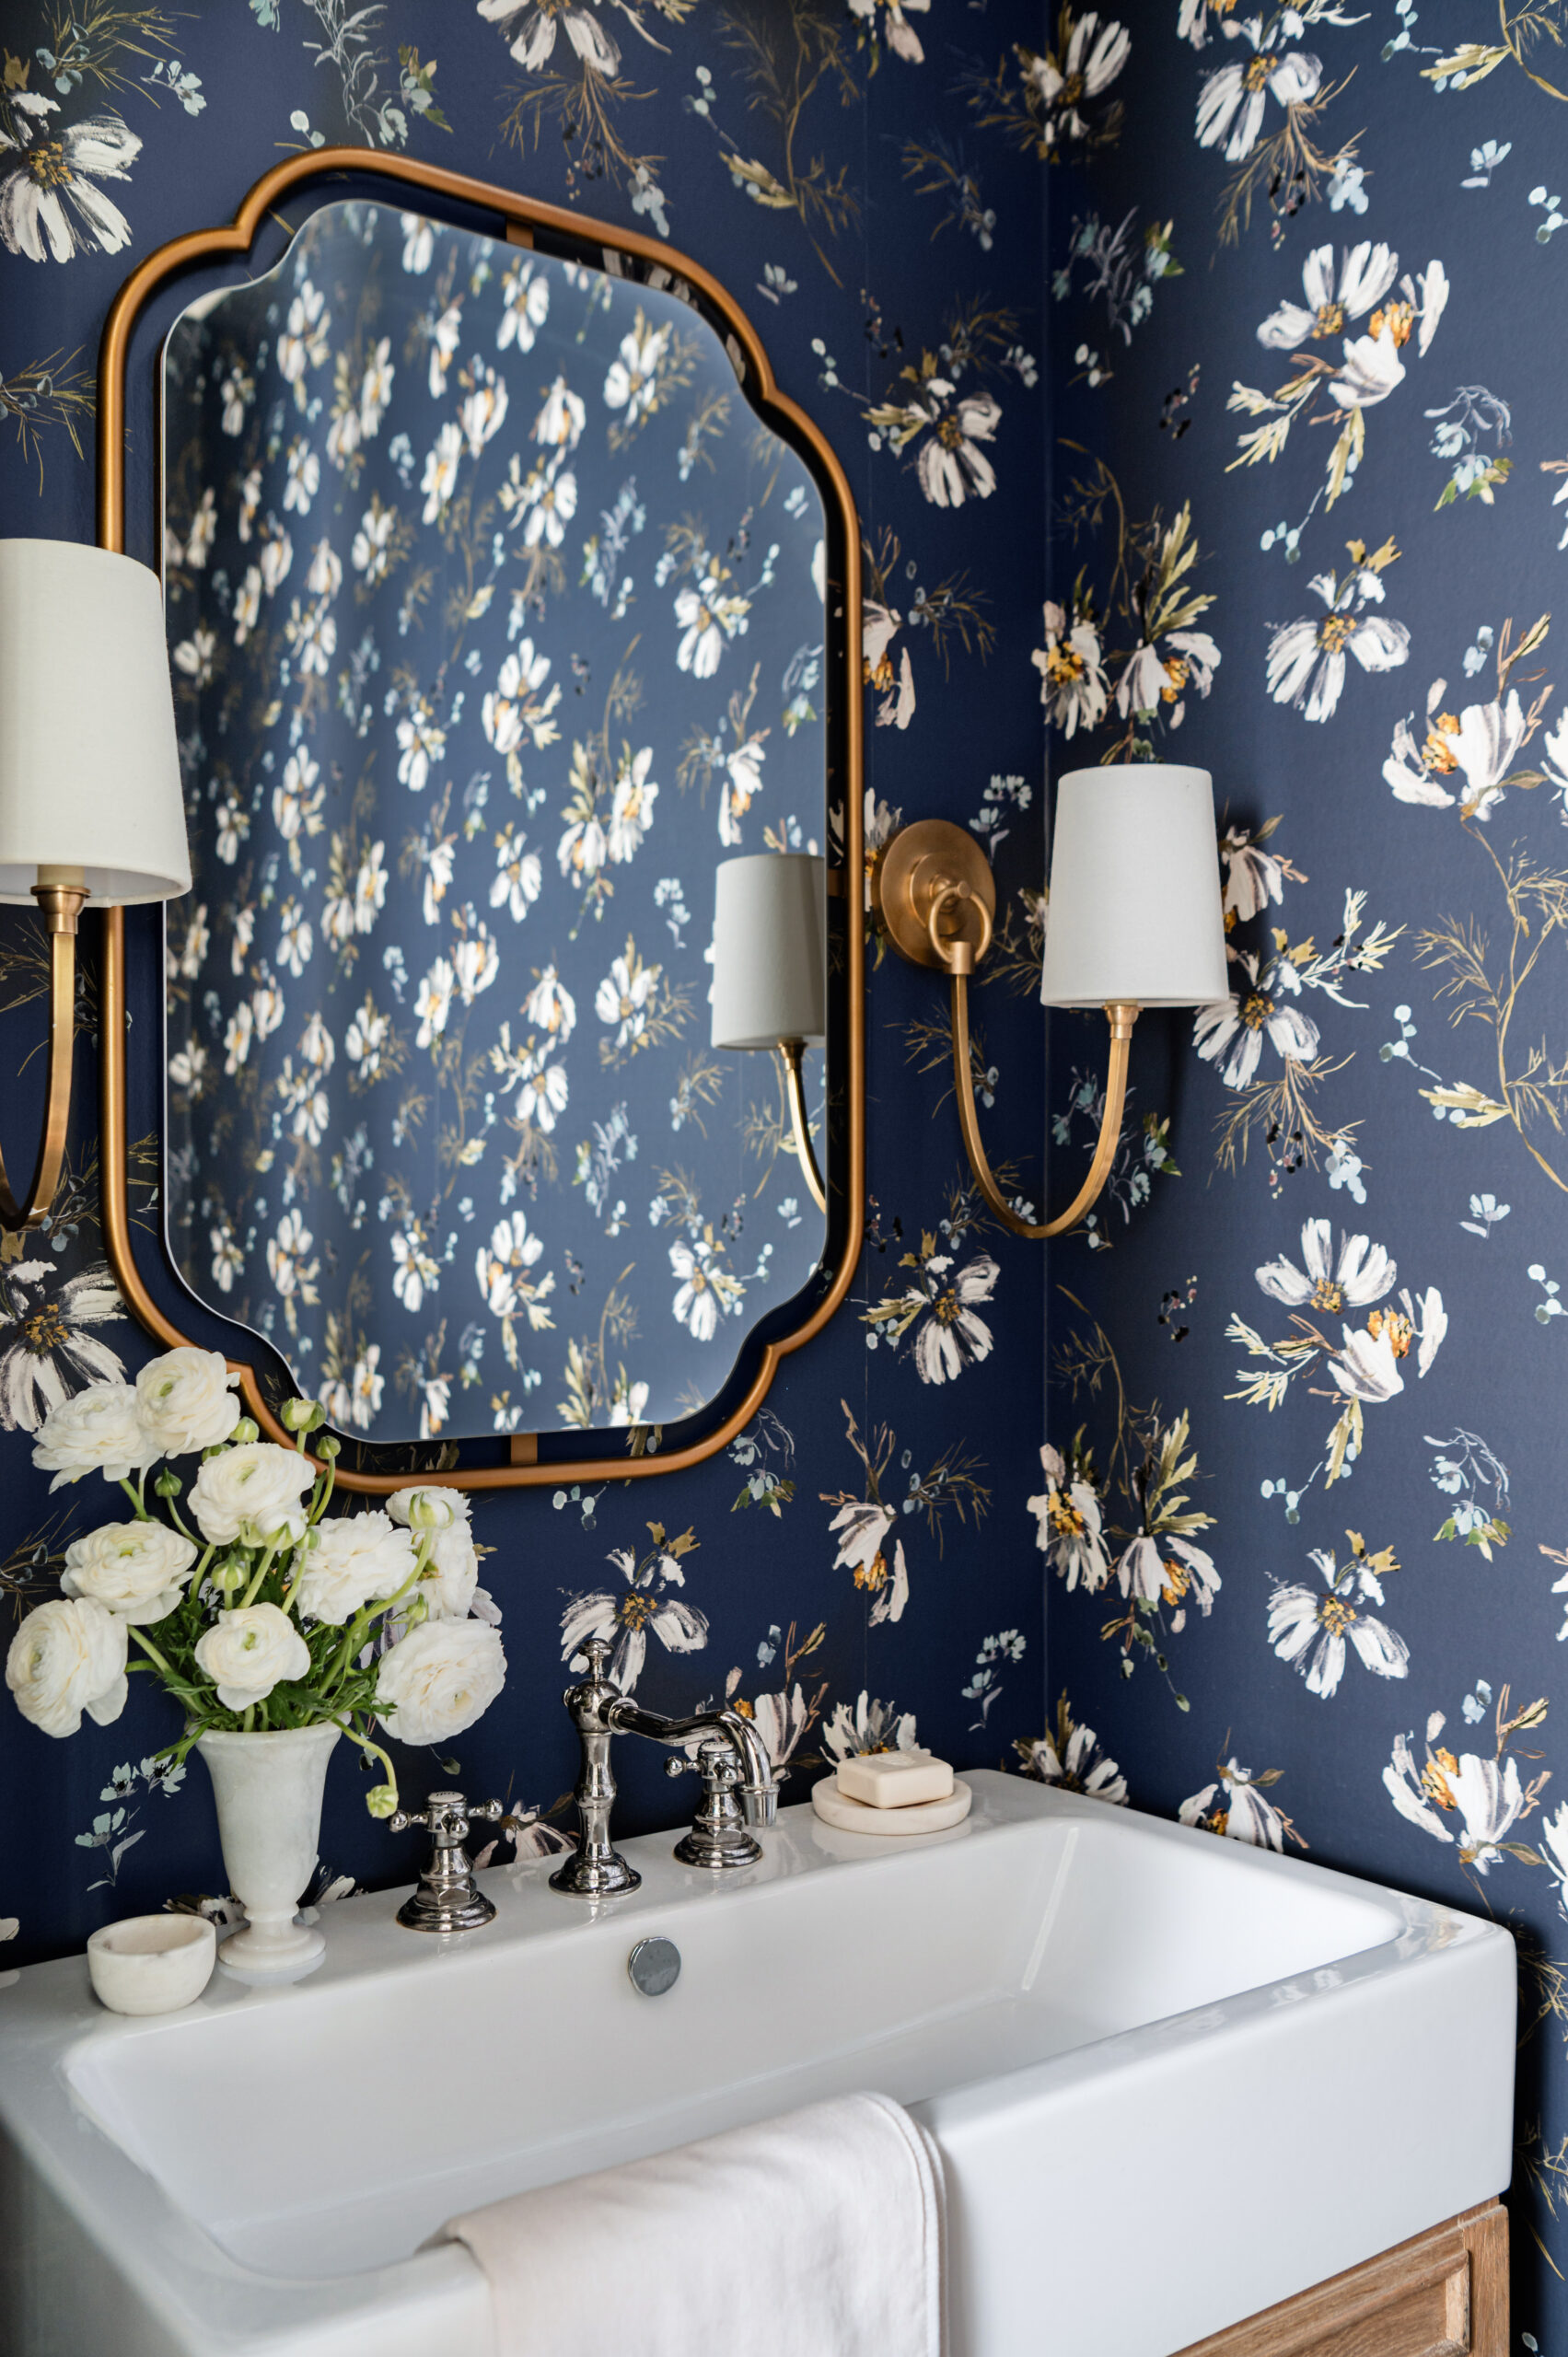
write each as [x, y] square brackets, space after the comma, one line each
[770, 963]
[1135, 905]
[89, 770]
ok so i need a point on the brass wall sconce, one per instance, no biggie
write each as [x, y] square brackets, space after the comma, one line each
[1135, 919]
[90, 799]
[771, 976]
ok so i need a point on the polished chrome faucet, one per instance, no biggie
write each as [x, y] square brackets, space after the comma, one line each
[738, 1788]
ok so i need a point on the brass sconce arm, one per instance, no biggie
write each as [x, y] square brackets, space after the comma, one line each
[936, 899]
[791, 1053]
[1122, 1015]
[62, 904]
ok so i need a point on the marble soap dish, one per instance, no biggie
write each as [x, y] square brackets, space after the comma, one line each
[922, 1817]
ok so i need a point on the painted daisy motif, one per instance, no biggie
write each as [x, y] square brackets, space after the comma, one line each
[530, 31]
[525, 297]
[1168, 1569]
[1233, 101]
[631, 804]
[1243, 1813]
[706, 1291]
[48, 1346]
[1230, 1033]
[1153, 677]
[951, 465]
[1073, 685]
[1367, 1367]
[648, 1605]
[869, 1726]
[1066, 81]
[632, 381]
[1067, 1524]
[1308, 659]
[706, 616]
[1488, 1797]
[48, 202]
[890, 19]
[1333, 298]
[1316, 1630]
[1075, 1760]
[1360, 1273]
[862, 1529]
[1467, 757]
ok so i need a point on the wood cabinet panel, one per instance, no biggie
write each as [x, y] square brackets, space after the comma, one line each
[1443, 2294]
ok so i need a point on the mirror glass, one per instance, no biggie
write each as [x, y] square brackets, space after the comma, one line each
[496, 622]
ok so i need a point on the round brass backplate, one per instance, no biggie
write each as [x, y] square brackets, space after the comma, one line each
[919, 864]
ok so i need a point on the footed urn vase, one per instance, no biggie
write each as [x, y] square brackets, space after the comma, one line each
[267, 1788]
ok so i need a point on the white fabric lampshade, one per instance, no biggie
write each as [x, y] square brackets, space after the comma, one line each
[769, 961]
[89, 770]
[1135, 904]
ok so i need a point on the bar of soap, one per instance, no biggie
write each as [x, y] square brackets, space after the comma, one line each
[895, 1779]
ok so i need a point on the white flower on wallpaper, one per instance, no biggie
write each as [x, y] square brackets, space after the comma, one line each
[440, 477]
[504, 1267]
[1487, 1797]
[421, 742]
[1316, 1630]
[1075, 1761]
[1233, 101]
[1230, 1033]
[850, 1734]
[706, 1289]
[559, 423]
[1073, 685]
[49, 200]
[415, 1270]
[1333, 298]
[742, 784]
[937, 1312]
[1308, 659]
[525, 295]
[650, 1603]
[894, 25]
[1097, 51]
[1467, 759]
[707, 615]
[861, 1528]
[631, 381]
[1360, 1273]
[1067, 1524]
[529, 27]
[483, 412]
[1244, 1814]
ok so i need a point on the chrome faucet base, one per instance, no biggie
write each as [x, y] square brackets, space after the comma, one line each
[446, 1898]
[604, 1875]
[732, 1846]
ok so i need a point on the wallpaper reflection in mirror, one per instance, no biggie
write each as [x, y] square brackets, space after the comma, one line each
[496, 619]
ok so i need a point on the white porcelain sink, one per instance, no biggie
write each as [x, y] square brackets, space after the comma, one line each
[1173, 2080]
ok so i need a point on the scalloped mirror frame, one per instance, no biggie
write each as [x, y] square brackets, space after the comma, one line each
[520, 217]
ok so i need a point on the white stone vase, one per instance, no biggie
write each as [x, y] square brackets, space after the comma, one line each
[267, 1788]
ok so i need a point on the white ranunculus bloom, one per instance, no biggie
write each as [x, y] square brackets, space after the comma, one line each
[252, 1493]
[95, 1431]
[428, 1509]
[363, 1559]
[186, 1400]
[452, 1576]
[136, 1568]
[438, 1679]
[250, 1650]
[68, 1656]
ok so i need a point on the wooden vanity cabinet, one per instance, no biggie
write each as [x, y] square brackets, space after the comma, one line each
[1443, 2293]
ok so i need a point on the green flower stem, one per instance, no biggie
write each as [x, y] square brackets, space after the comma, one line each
[148, 1647]
[135, 1496]
[360, 1626]
[262, 1568]
[347, 1726]
[249, 1723]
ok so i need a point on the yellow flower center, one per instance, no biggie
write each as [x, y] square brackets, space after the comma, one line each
[950, 433]
[1434, 1780]
[1072, 90]
[1325, 1294]
[1258, 73]
[636, 1611]
[1335, 1615]
[1256, 1010]
[1333, 631]
[1177, 1581]
[47, 165]
[874, 1574]
[1397, 318]
[1389, 1326]
[1064, 664]
[1438, 753]
[883, 676]
[946, 1308]
[1064, 1517]
[1330, 319]
[44, 1330]
[1177, 673]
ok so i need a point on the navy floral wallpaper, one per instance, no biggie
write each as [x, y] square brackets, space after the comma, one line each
[430, 842]
[1194, 373]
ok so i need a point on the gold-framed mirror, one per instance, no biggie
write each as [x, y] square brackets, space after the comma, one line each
[506, 597]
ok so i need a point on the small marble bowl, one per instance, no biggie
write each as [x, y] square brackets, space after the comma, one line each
[152, 1964]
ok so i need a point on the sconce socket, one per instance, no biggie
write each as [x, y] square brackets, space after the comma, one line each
[936, 896]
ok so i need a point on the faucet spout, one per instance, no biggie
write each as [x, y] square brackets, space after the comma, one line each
[750, 1778]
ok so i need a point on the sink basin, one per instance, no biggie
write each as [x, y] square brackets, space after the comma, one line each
[1125, 2036]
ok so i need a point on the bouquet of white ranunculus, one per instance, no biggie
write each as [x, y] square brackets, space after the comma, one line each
[266, 1615]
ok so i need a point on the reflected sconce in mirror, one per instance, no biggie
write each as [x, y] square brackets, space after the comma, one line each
[90, 799]
[770, 973]
[1135, 919]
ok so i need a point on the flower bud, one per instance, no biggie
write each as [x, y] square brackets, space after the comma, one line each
[244, 1432]
[227, 1575]
[168, 1483]
[328, 1448]
[381, 1800]
[302, 1415]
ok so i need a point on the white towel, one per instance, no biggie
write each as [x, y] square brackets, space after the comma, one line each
[816, 2235]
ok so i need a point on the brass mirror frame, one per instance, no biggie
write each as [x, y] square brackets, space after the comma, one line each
[521, 216]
